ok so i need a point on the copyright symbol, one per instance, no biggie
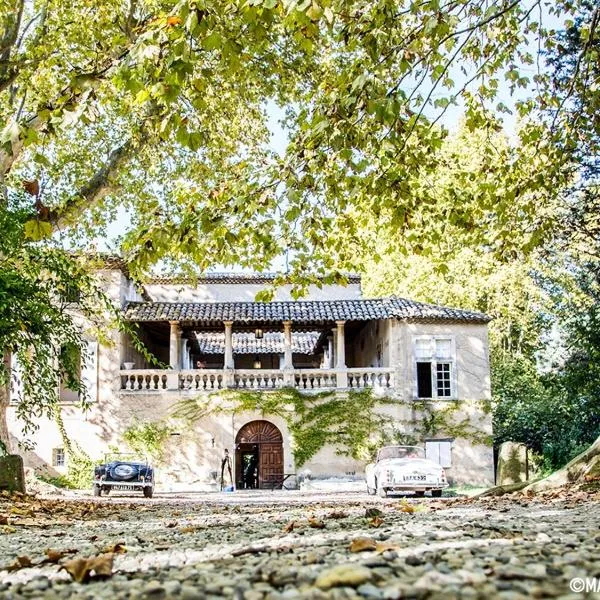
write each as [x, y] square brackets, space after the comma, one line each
[577, 584]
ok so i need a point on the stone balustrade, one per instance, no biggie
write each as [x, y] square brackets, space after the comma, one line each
[199, 380]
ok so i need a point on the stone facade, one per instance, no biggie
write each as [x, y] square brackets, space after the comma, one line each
[378, 352]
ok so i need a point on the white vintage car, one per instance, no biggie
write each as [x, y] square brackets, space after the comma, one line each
[405, 469]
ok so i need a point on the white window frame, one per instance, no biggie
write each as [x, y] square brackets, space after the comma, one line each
[55, 454]
[433, 360]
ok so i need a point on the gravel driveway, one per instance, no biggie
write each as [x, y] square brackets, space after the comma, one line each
[286, 545]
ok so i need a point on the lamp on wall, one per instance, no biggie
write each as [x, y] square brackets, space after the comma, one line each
[258, 334]
[257, 363]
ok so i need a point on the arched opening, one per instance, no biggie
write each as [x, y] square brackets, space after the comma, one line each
[258, 455]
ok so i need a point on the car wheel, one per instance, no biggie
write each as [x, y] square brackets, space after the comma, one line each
[419, 494]
[97, 490]
[148, 491]
[107, 490]
[381, 492]
[436, 493]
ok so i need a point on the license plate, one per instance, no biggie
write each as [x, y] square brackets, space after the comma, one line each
[126, 488]
[414, 477]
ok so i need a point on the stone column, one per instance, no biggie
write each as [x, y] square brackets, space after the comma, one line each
[229, 364]
[287, 345]
[340, 350]
[330, 362]
[341, 346]
[288, 363]
[174, 343]
[174, 356]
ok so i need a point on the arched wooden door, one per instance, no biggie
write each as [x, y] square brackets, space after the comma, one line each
[258, 455]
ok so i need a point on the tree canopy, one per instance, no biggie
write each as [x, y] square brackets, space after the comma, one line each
[159, 107]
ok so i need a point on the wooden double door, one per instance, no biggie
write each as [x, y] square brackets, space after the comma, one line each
[258, 456]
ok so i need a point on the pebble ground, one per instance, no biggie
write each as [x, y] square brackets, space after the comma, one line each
[288, 545]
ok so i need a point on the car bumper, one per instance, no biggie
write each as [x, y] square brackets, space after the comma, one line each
[125, 484]
[414, 487]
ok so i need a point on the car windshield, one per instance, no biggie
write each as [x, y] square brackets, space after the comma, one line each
[401, 452]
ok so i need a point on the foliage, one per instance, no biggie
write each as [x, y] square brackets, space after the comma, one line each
[174, 92]
[543, 411]
[349, 422]
[148, 438]
[354, 422]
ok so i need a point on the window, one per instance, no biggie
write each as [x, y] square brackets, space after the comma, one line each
[439, 451]
[434, 360]
[58, 457]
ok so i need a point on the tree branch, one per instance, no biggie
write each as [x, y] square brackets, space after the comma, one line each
[99, 185]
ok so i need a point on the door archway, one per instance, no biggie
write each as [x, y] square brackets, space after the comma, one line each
[258, 455]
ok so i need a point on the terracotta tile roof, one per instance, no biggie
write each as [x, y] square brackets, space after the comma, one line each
[312, 311]
[247, 343]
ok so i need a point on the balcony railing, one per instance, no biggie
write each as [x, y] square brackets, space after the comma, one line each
[206, 380]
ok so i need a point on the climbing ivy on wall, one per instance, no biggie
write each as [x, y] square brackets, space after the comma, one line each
[148, 438]
[346, 421]
[349, 422]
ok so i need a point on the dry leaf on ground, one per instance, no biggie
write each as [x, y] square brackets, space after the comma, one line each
[21, 562]
[53, 556]
[188, 529]
[337, 514]
[316, 523]
[118, 548]
[375, 522]
[371, 513]
[289, 527]
[362, 544]
[82, 569]
[383, 547]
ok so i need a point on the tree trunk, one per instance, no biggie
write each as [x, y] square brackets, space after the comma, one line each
[582, 470]
[4, 402]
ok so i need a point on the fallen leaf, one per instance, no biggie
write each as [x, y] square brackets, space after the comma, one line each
[82, 569]
[316, 523]
[118, 548]
[173, 21]
[8, 529]
[289, 527]
[188, 529]
[337, 514]
[3, 520]
[53, 556]
[171, 524]
[21, 562]
[406, 507]
[382, 547]
[375, 522]
[370, 513]
[32, 187]
[362, 544]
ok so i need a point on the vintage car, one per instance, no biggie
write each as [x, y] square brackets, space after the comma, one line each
[124, 473]
[405, 469]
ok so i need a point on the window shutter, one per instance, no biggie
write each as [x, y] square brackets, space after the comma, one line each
[439, 452]
[446, 454]
[89, 369]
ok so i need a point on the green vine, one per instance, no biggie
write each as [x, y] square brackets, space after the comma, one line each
[148, 438]
[80, 466]
[348, 421]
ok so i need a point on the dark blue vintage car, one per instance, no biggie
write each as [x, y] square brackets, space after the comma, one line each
[123, 474]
